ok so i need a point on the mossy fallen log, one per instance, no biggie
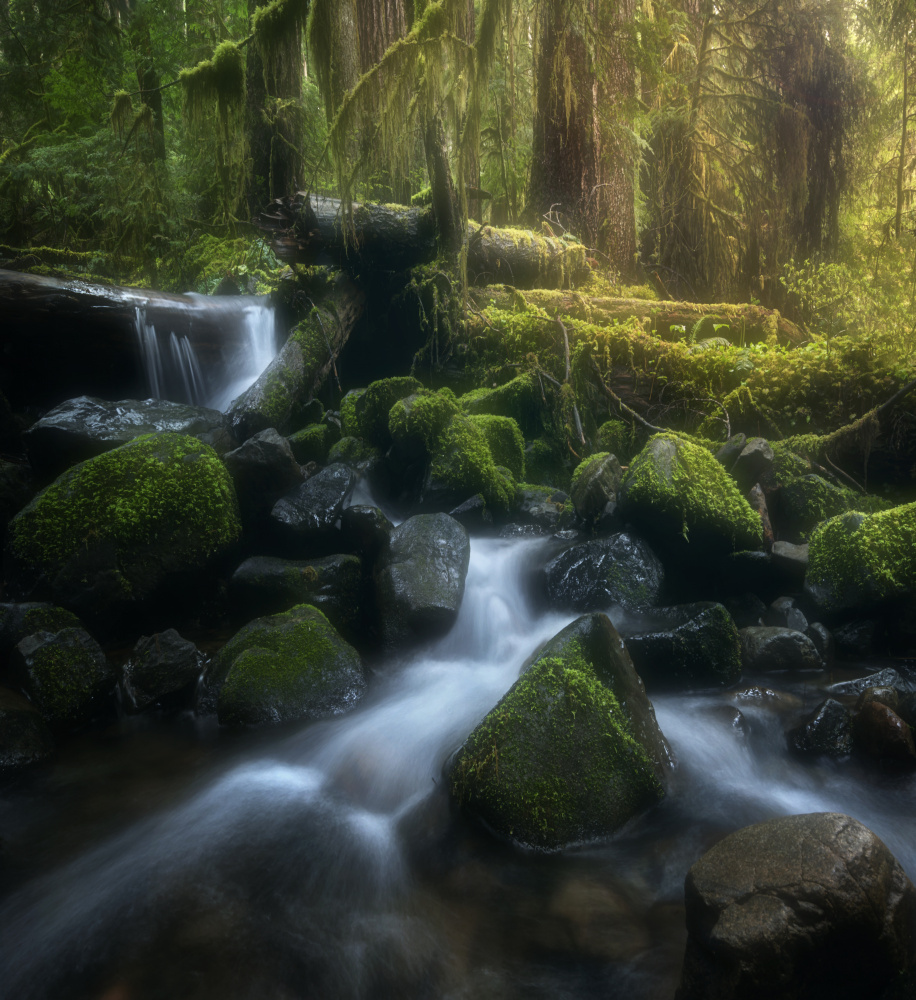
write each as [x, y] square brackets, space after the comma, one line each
[293, 377]
[397, 238]
[740, 324]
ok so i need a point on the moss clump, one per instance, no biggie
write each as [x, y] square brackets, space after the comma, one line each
[546, 465]
[219, 78]
[288, 666]
[861, 559]
[556, 761]
[355, 453]
[675, 488]
[507, 445]
[372, 407]
[311, 444]
[617, 438]
[587, 463]
[420, 419]
[162, 502]
[349, 420]
[806, 501]
[787, 463]
[520, 399]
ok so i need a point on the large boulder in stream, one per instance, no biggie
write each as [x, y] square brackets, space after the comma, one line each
[419, 580]
[107, 534]
[284, 667]
[621, 569]
[84, 427]
[810, 907]
[685, 645]
[304, 520]
[571, 752]
[768, 648]
[163, 669]
[262, 470]
[678, 494]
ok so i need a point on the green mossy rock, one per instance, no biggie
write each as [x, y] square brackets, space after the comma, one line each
[859, 560]
[678, 493]
[24, 737]
[807, 501]
[312, 443]
[571, 752]
[368, 417]
[283, 667]
[111, 530]
[66, 675]
[618, 438]
[507, 446]
[546, 465]
[595, 483]
[520, 399]
[355, 453]
[19, 620]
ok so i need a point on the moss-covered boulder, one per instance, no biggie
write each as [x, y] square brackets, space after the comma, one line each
[361, 457]
[366, 413]
[520, 398]
[685, 645]
[283, 667]
[66, 675]
[861, 560]
[266, 585]
[546, 464]
[679, 494]
[507, 446]
[571, 752]
[807, 501]
[110, 531]
[617, 438]
[312, 443]
[262, 470]
[419, 581]
[19, 620]
[24, 737]
[460, 461]
[595, 483]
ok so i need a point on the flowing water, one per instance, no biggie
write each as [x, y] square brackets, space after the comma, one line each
[171, 364]
[163, 859]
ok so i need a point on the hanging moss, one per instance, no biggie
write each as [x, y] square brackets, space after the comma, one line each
[217, 80]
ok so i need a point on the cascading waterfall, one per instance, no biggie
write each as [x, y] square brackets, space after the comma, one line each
[325, 861]
[171, 365]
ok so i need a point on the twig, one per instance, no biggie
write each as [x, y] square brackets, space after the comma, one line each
[844, 475]
[623, 406]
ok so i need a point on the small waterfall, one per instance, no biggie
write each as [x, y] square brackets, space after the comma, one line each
[171, 363]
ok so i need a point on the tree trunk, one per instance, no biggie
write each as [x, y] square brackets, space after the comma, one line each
[149, 85]
[903, 129]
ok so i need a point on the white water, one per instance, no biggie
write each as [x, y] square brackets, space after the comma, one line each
[173, 370]
[308, 847]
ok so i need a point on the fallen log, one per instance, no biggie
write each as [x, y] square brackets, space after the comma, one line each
[737, 323]
[61, 339]
[397, 238]
[294, 376]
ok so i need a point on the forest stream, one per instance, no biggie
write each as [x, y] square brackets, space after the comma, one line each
[162, 857]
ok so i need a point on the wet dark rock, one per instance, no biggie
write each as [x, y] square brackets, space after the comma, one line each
[419, 582]
[822, 638]
[727, 455]
[827, 731]
[66, 675]
[791, 559]
[305, 518]
[746, 610]
[906, 708]
[769, 648]
[753, 571]
[855, 640]
[888, 677]
[16, 489]
[685, 645]
[881, 733]
[163, 669]
[621, 570]
[784, 612]
[473, 515]
[262, 470]
[522, 531]
[731, 718]
[808, 907]
[283, 667]
[81, 428]
[265, 585]
[365, 529]
[754, 462]
[545, 508]
[886, 695]
[781, 702]
[595, 483]
[571, 752]
[19, 620]
[24, 737]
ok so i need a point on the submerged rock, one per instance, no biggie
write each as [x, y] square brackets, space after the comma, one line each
[419, 581]
[66, 675]
[621, 569]
[163, 668]
[111, 531]
[808, 907]
[571, 752]
[84, 427]
[688, 644]
[24, 737]
[881, 733]
[282, 667]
